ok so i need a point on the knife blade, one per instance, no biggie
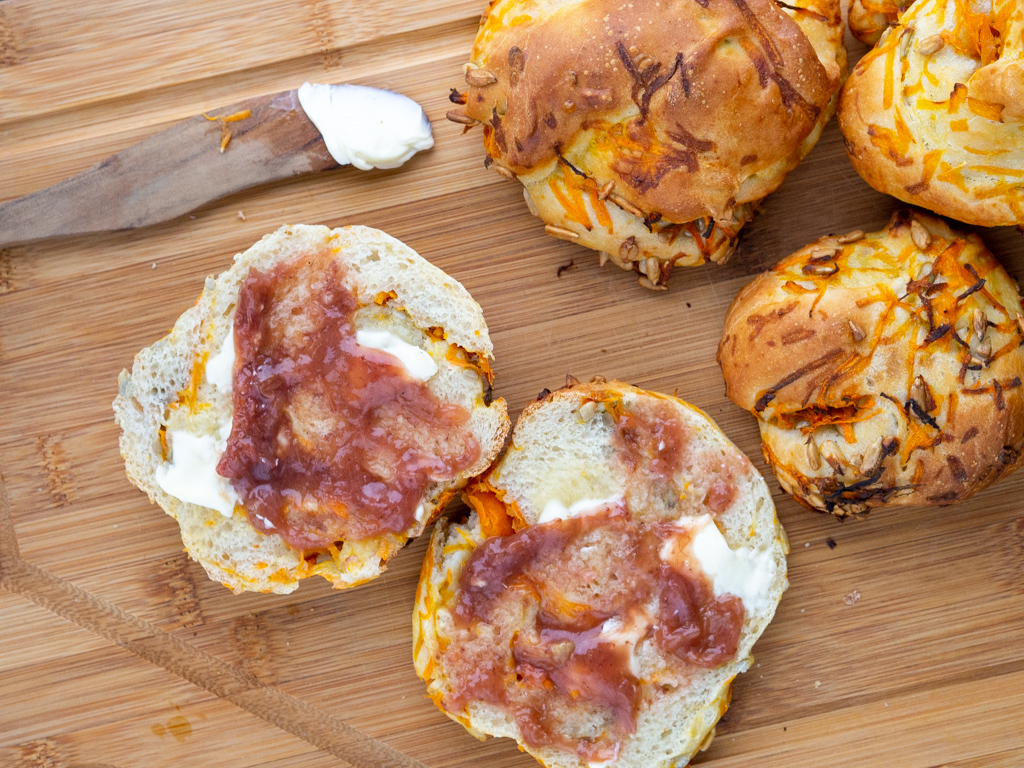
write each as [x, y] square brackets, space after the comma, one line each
[175, 171]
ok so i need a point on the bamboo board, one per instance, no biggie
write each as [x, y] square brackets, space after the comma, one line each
[116, 650]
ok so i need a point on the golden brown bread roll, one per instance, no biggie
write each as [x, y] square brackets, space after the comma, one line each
[933, 114]
[870, 18]
[649, 130]
[883, 369]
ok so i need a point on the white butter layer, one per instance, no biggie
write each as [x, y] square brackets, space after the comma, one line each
[417, 362]
[366, 127]
[191, 475]
[556, 510]
[744, 572]
[220, 368]
[627, 634]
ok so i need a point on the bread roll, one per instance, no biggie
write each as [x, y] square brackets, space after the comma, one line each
[933, 114]
[650, 130]
[621, 560]
[883, 369]
[190, 411]
[870, 18]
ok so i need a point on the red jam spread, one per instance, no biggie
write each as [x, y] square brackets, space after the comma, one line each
[330, 440]
[532, 609]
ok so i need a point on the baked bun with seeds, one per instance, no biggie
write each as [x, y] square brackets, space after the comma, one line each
[650, 130]
[870, 18]
[933, 114]
[620, 562]
[317, 407]
[883, 368]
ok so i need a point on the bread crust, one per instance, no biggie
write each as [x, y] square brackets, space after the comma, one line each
[560, 436]
[882, 373]
[403, 293]
[933, 114]
[691, 111]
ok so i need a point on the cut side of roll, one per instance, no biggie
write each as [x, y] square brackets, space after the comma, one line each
[317, 407]
[620, 561]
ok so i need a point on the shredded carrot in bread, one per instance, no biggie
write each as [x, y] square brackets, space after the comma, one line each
[488, 503]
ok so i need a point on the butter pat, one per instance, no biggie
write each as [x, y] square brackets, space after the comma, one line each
[191, 475]
[417, 362]
[366, 127]
[744, 572]
[556, 510]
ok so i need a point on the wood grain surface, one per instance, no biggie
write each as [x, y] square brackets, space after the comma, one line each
[117, 651]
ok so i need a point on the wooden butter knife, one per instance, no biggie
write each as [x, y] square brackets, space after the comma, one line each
[175, 171]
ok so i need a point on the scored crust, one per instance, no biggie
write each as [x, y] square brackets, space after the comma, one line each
[562, 450]
[651, 129]
[397, 291]
[933, 114]
[883, 368]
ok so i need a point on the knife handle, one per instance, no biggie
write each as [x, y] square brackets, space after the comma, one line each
[174, 171]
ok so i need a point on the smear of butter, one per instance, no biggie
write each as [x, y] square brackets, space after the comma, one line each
[417, 362]
[220, 369]
[556, 510]
[745, 572]
[191, 475]
[366, 127]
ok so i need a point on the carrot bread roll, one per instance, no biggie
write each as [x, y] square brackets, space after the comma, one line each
[883, 368]
[650, 130]
[314, 410]
[621, 560]
[934, 115]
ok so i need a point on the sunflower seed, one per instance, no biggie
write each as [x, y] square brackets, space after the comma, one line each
[984, 349]
[606, 190]
[505, 173]
[646, 283]
[480, 78]
[629, 250]
[603, 256]
[979, 323]
[561, 234]
[625, 205]
[872, 458]
[851, 237]
[823, 254]
[652, 269]
[930, 45]
[822, 270]
[587, 410]
[921, 237]
[858, 334]
[813, 455]
[458, 116]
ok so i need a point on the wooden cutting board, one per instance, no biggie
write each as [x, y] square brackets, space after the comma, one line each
[116, 650]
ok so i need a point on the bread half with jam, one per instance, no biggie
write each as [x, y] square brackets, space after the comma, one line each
[314, 411]
[619, 563]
